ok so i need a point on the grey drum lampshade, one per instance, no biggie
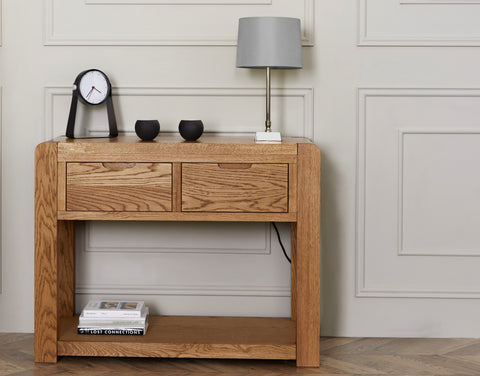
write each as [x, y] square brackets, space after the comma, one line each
[274, 42]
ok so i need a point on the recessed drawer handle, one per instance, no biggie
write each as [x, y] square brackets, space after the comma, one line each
[118, 166]
[235, 166]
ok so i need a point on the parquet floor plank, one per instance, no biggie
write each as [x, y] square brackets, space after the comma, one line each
[426, 346]
[471, 349]
[339, 357]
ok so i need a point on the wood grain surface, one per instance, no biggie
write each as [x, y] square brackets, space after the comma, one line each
[293, 271]
[189, 337]
[177, 187]
[66, 268]
[125, 183]
[214, 187]
[46, 253]
[173, 149]
[339, 357]
[119, 186]
[308, 256]
[292, 187]
[177, 216]
[62, 185]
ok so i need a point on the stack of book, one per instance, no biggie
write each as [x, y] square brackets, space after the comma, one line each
[114, 317]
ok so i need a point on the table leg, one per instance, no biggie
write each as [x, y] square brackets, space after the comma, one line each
[46, 253]
[308, 257]
[66, 268]
[293, 272]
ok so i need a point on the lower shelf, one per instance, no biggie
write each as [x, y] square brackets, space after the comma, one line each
[188, 337]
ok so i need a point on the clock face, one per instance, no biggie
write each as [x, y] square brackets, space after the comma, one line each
[94, 87]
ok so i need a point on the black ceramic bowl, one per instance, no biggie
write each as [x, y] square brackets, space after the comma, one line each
[147, 129]
[190, 130]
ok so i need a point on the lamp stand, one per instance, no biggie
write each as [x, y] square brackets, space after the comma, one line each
[268, 123]
[268, 135]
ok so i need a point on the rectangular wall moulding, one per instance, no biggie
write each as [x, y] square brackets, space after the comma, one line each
[222, 110]
[168, 237]
[163, 22]
[1, 191]
[441, 2]
[181, 2]
[1, 22]
[183, 290]
[417, 193]
[443, 185]
[180, 259]
[428, 23]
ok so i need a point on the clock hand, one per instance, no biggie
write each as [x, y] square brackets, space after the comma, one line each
[90, 92]
[94, 88]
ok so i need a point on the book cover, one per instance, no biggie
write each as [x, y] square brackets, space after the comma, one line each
[121, 329]
[114, 321]
[114, 309]
[112, 331]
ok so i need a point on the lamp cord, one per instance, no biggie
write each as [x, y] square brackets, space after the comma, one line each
[281, 244]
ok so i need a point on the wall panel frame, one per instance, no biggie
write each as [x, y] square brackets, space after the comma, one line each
[368, 36]
[222, 38]
[305, 95]
[364, 289]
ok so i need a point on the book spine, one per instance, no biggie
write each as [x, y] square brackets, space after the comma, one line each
[117, 314]
[112, 331]
[109, 323]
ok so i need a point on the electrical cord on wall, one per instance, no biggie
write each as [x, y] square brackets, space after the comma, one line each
[281, 244]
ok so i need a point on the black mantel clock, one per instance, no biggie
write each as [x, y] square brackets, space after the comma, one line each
[92, 87]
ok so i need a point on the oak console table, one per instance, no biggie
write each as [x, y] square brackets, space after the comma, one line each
[217, 179]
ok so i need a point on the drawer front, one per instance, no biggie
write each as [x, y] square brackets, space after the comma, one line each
[125, 187]
[234, 187]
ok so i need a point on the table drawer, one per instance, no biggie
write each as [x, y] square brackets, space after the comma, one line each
[125, 187]
[234, 187]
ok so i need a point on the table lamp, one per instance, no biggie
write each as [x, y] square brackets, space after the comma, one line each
[269, 43]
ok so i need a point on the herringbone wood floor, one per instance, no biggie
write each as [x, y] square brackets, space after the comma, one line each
[339, 357]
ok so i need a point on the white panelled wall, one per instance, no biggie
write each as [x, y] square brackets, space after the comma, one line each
[390, 92]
